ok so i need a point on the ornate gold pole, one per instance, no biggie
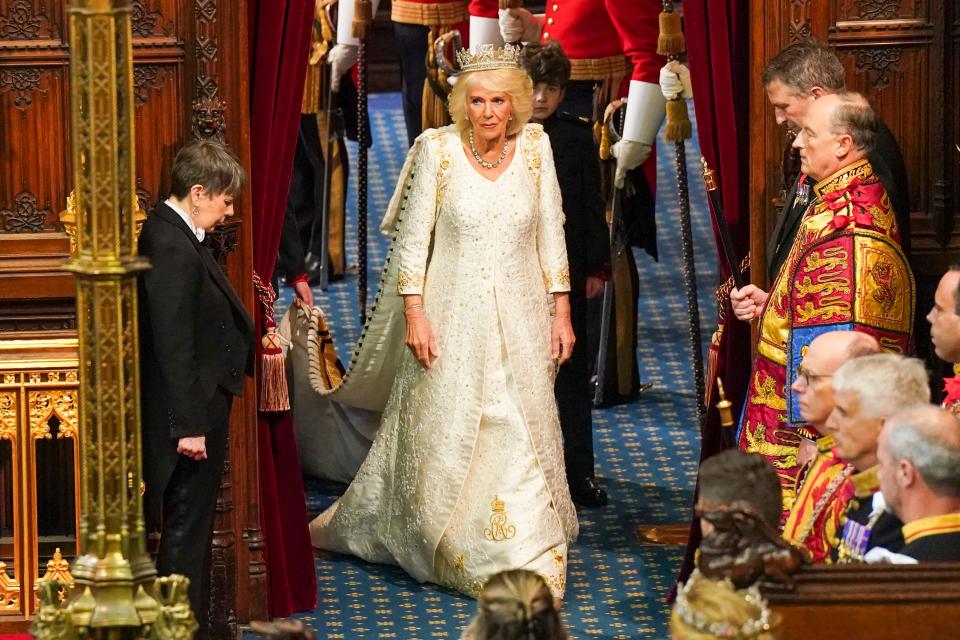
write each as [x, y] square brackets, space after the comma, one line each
[113, 571]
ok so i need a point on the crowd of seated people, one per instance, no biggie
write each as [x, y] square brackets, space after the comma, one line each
[881, 484]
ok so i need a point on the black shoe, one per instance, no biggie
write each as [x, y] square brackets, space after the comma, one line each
[587, 493]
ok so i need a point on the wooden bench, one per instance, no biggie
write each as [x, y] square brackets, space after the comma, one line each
[851, 602]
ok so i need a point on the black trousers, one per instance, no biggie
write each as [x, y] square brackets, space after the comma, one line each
[412, 45]
[574, 398]
[189, 503]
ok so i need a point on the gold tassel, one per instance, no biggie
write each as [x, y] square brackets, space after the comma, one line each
[604, 140]
[601, 129]
[433, 107]
[670, 42]
[331, 368]
[713, 361]
[362, 25]
[725, 407]
[678, 121]
[274, 395]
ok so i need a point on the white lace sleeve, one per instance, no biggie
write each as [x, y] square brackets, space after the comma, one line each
[551, 245]
[415, 221]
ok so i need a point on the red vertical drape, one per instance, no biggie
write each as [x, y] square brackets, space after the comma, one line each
[280, 42]
[717, 33]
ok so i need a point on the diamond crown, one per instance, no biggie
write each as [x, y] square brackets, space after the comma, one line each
[485, 57]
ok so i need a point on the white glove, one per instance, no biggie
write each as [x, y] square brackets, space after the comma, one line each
[519, 25]
[629, 154]
[675, 81]
[341, 59]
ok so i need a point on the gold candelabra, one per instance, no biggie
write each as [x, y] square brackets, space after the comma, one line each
[116, 593]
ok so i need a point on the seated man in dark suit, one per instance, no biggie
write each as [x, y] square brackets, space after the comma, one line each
[919, 454]
[578, 172]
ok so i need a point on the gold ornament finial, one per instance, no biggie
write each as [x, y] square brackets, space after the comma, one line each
[486, 57]
[724, 406]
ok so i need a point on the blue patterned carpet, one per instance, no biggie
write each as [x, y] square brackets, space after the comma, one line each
[647, 452]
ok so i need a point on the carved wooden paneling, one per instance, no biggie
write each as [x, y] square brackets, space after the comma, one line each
[225, 71]
[159, 127]
[35, 170]
[153, 18]
[34, 106]
[32, 21]
[888, 76]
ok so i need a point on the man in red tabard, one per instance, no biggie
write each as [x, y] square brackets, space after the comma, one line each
[845, 271]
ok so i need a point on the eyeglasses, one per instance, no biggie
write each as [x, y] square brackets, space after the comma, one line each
[810, 378]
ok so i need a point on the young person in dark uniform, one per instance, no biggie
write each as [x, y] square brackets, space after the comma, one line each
[919, 454]
[588, 252]
[195, 345]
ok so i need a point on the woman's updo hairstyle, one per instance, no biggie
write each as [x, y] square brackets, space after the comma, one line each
[516, 605]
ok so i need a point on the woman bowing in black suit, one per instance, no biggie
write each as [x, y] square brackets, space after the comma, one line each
[195, 339]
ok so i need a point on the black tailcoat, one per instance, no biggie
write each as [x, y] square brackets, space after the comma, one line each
[195, 345]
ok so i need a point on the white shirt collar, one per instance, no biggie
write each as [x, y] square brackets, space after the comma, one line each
[197, 231]
[878, 505]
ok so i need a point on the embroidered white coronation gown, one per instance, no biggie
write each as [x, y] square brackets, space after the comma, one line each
[465, 477]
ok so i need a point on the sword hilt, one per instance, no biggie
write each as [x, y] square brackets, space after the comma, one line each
[608, 131]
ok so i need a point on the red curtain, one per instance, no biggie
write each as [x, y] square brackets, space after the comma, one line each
[717, 33]
[280, 43]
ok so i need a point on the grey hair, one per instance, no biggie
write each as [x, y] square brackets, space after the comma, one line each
[935, 455]
[855, 117]
[884, 382]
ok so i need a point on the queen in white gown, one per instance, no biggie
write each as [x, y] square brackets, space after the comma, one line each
[465, 477]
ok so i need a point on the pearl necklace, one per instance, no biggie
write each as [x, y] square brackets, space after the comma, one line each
[483, 163]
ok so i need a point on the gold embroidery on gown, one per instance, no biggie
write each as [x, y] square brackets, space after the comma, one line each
[482, 421]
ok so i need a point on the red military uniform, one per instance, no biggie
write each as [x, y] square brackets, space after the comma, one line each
[602, 38]
[429, 13]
